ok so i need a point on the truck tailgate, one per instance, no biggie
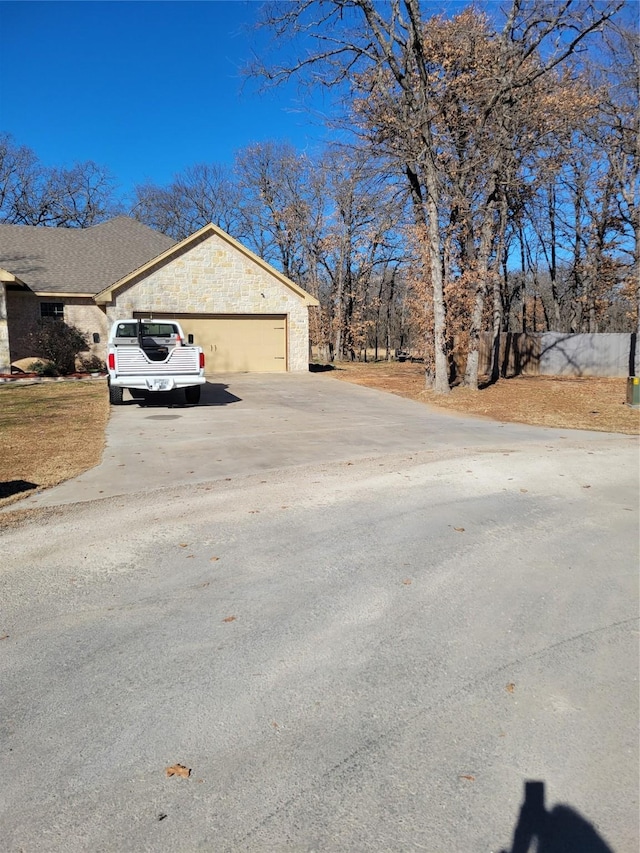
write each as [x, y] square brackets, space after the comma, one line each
[131, 361]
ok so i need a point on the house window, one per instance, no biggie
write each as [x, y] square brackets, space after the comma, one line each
[52, 309]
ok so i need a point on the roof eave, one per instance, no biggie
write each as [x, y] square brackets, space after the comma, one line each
[7, 277]
[65, 295]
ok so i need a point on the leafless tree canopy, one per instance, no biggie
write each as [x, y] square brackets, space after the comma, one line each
[201, 195]
[33, 194]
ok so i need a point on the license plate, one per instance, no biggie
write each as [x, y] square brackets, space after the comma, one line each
[160, 384]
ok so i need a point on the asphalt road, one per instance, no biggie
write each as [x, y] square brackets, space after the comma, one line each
[362, 625]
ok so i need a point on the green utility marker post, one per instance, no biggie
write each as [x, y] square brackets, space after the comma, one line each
[633, 392]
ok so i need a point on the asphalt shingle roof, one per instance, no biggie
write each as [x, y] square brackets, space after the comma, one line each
[78, 260]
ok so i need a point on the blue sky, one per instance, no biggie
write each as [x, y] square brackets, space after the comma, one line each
[147, 88]
[144, 88]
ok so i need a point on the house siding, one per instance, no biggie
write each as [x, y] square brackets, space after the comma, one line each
[23, 313]
[212, 277]
[90, 319]
[5, 356]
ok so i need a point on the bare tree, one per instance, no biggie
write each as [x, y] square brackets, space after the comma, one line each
[383, 48]
[201, 194]
[82, 195]
[620, 110]
[280, 203]
[583, 209]
[19, 171]
[360, 250]
[32, 194]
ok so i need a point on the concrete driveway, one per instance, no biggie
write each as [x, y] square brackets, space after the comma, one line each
[362, 625]
[250, 423]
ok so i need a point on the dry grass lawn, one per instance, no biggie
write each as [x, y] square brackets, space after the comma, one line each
[49, 432]
[568, 403]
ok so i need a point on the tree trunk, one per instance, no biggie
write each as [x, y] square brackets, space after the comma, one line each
[636, 267]
[482, 273]
[523, 269]
[473, 353]
[498, 303]
[440, 380]
[389, 304]
[553, 265]
[575, 314]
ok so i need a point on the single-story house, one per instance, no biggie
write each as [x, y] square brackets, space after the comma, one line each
[246, 315]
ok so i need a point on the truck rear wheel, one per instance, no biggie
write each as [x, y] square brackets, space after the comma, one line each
[192, 394]
[115, 395]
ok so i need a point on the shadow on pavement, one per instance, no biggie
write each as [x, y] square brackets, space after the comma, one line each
[216, 394]
[212, 394]
[561, 830]
[320, 368]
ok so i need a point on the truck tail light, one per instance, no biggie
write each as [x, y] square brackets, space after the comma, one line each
[111, 361]
[201, 360]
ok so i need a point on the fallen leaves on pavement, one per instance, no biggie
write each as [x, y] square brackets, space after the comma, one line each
[178, 770]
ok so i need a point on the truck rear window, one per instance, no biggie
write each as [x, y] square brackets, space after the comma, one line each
[158, 330]
[127, 330]
[151, 330]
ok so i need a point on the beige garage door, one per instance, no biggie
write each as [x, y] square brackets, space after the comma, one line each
[238, 343]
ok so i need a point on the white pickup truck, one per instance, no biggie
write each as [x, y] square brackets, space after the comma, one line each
[147, 356]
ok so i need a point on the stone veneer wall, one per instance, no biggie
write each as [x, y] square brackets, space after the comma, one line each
[212, 277]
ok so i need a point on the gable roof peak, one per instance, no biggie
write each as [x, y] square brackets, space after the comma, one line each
[204, 233]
